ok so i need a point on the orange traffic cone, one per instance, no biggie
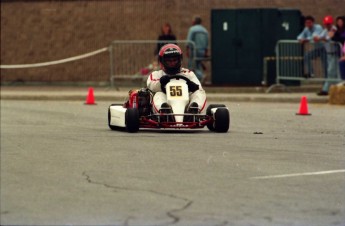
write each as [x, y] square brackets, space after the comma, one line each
[90, 99]
[303, 109]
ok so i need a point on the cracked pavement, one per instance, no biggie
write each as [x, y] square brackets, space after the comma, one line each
[61, 165]
[173, 213]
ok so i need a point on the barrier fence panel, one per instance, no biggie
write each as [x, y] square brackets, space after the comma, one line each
[135, 60]
[312, 61]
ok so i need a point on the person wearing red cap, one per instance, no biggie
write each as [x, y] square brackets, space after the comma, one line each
[328, 31]
[332, 50]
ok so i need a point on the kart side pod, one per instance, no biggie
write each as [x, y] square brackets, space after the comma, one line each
[116, 116]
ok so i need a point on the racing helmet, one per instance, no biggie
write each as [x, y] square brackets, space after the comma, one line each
[328, 20]
[170, 51]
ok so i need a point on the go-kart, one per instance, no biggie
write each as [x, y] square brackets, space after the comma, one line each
[137, 111]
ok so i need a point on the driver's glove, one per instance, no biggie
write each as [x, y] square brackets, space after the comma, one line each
[164, 81]
[192, 86]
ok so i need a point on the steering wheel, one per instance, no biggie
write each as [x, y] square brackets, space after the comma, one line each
[180, 77]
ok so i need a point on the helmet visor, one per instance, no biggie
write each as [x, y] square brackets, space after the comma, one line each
[172, 62]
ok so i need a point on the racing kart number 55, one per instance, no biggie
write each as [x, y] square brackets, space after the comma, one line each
[137, 111]
[175, 91]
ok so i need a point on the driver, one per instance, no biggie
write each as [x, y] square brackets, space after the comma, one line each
[170, 59]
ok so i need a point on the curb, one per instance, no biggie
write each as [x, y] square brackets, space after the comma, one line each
[220, 97]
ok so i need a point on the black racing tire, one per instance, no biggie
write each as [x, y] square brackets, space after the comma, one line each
[109, 116]
[210, 126]
[222, 120]
[132, 120]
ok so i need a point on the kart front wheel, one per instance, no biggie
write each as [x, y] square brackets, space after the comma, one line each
[132, 120]
[208, 112]
[222, 120]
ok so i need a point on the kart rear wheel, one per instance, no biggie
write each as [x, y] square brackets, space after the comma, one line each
[132, 120]
[222, 120]
[208, 112]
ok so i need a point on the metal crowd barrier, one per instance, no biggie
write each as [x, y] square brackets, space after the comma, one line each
[309, 61]
[135, 60]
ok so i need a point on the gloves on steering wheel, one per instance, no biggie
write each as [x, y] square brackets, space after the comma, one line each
[164, 81]
[192, 86]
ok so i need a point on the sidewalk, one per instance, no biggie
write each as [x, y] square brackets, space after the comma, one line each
[214, 94]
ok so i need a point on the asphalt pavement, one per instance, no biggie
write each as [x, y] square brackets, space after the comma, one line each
[62, 165]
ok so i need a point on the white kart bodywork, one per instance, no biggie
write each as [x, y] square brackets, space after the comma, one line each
[117, 115]
[177, 97]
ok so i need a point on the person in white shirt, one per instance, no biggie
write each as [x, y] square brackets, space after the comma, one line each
[311, 34]
[170, 58]
[310, 31]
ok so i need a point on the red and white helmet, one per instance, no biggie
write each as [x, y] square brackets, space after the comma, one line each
[170, 51]
[328, 20]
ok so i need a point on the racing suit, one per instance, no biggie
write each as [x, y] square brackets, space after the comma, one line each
[199, 96]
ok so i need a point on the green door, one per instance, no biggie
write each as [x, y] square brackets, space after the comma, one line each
[224, 52]
[236, 46]
[249, 48]
[241, 38]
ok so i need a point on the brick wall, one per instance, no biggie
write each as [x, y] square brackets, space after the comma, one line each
[41, 31]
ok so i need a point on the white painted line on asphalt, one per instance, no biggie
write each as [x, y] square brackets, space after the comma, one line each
[299, 174]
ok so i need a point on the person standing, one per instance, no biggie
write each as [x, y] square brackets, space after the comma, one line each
[166, 35]
[310, 34]
[342, 63]
[339, 36]
[332, 53]
[198, 34]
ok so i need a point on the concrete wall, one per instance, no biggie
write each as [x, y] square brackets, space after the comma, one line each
[41, 31]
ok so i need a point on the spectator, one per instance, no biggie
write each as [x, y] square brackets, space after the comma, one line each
[339, 34]
[199, 35]
[166, 35]
[310, 34]
[332, 53]
[342, 63]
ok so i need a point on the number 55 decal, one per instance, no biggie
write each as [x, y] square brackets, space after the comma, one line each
[175, 91]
